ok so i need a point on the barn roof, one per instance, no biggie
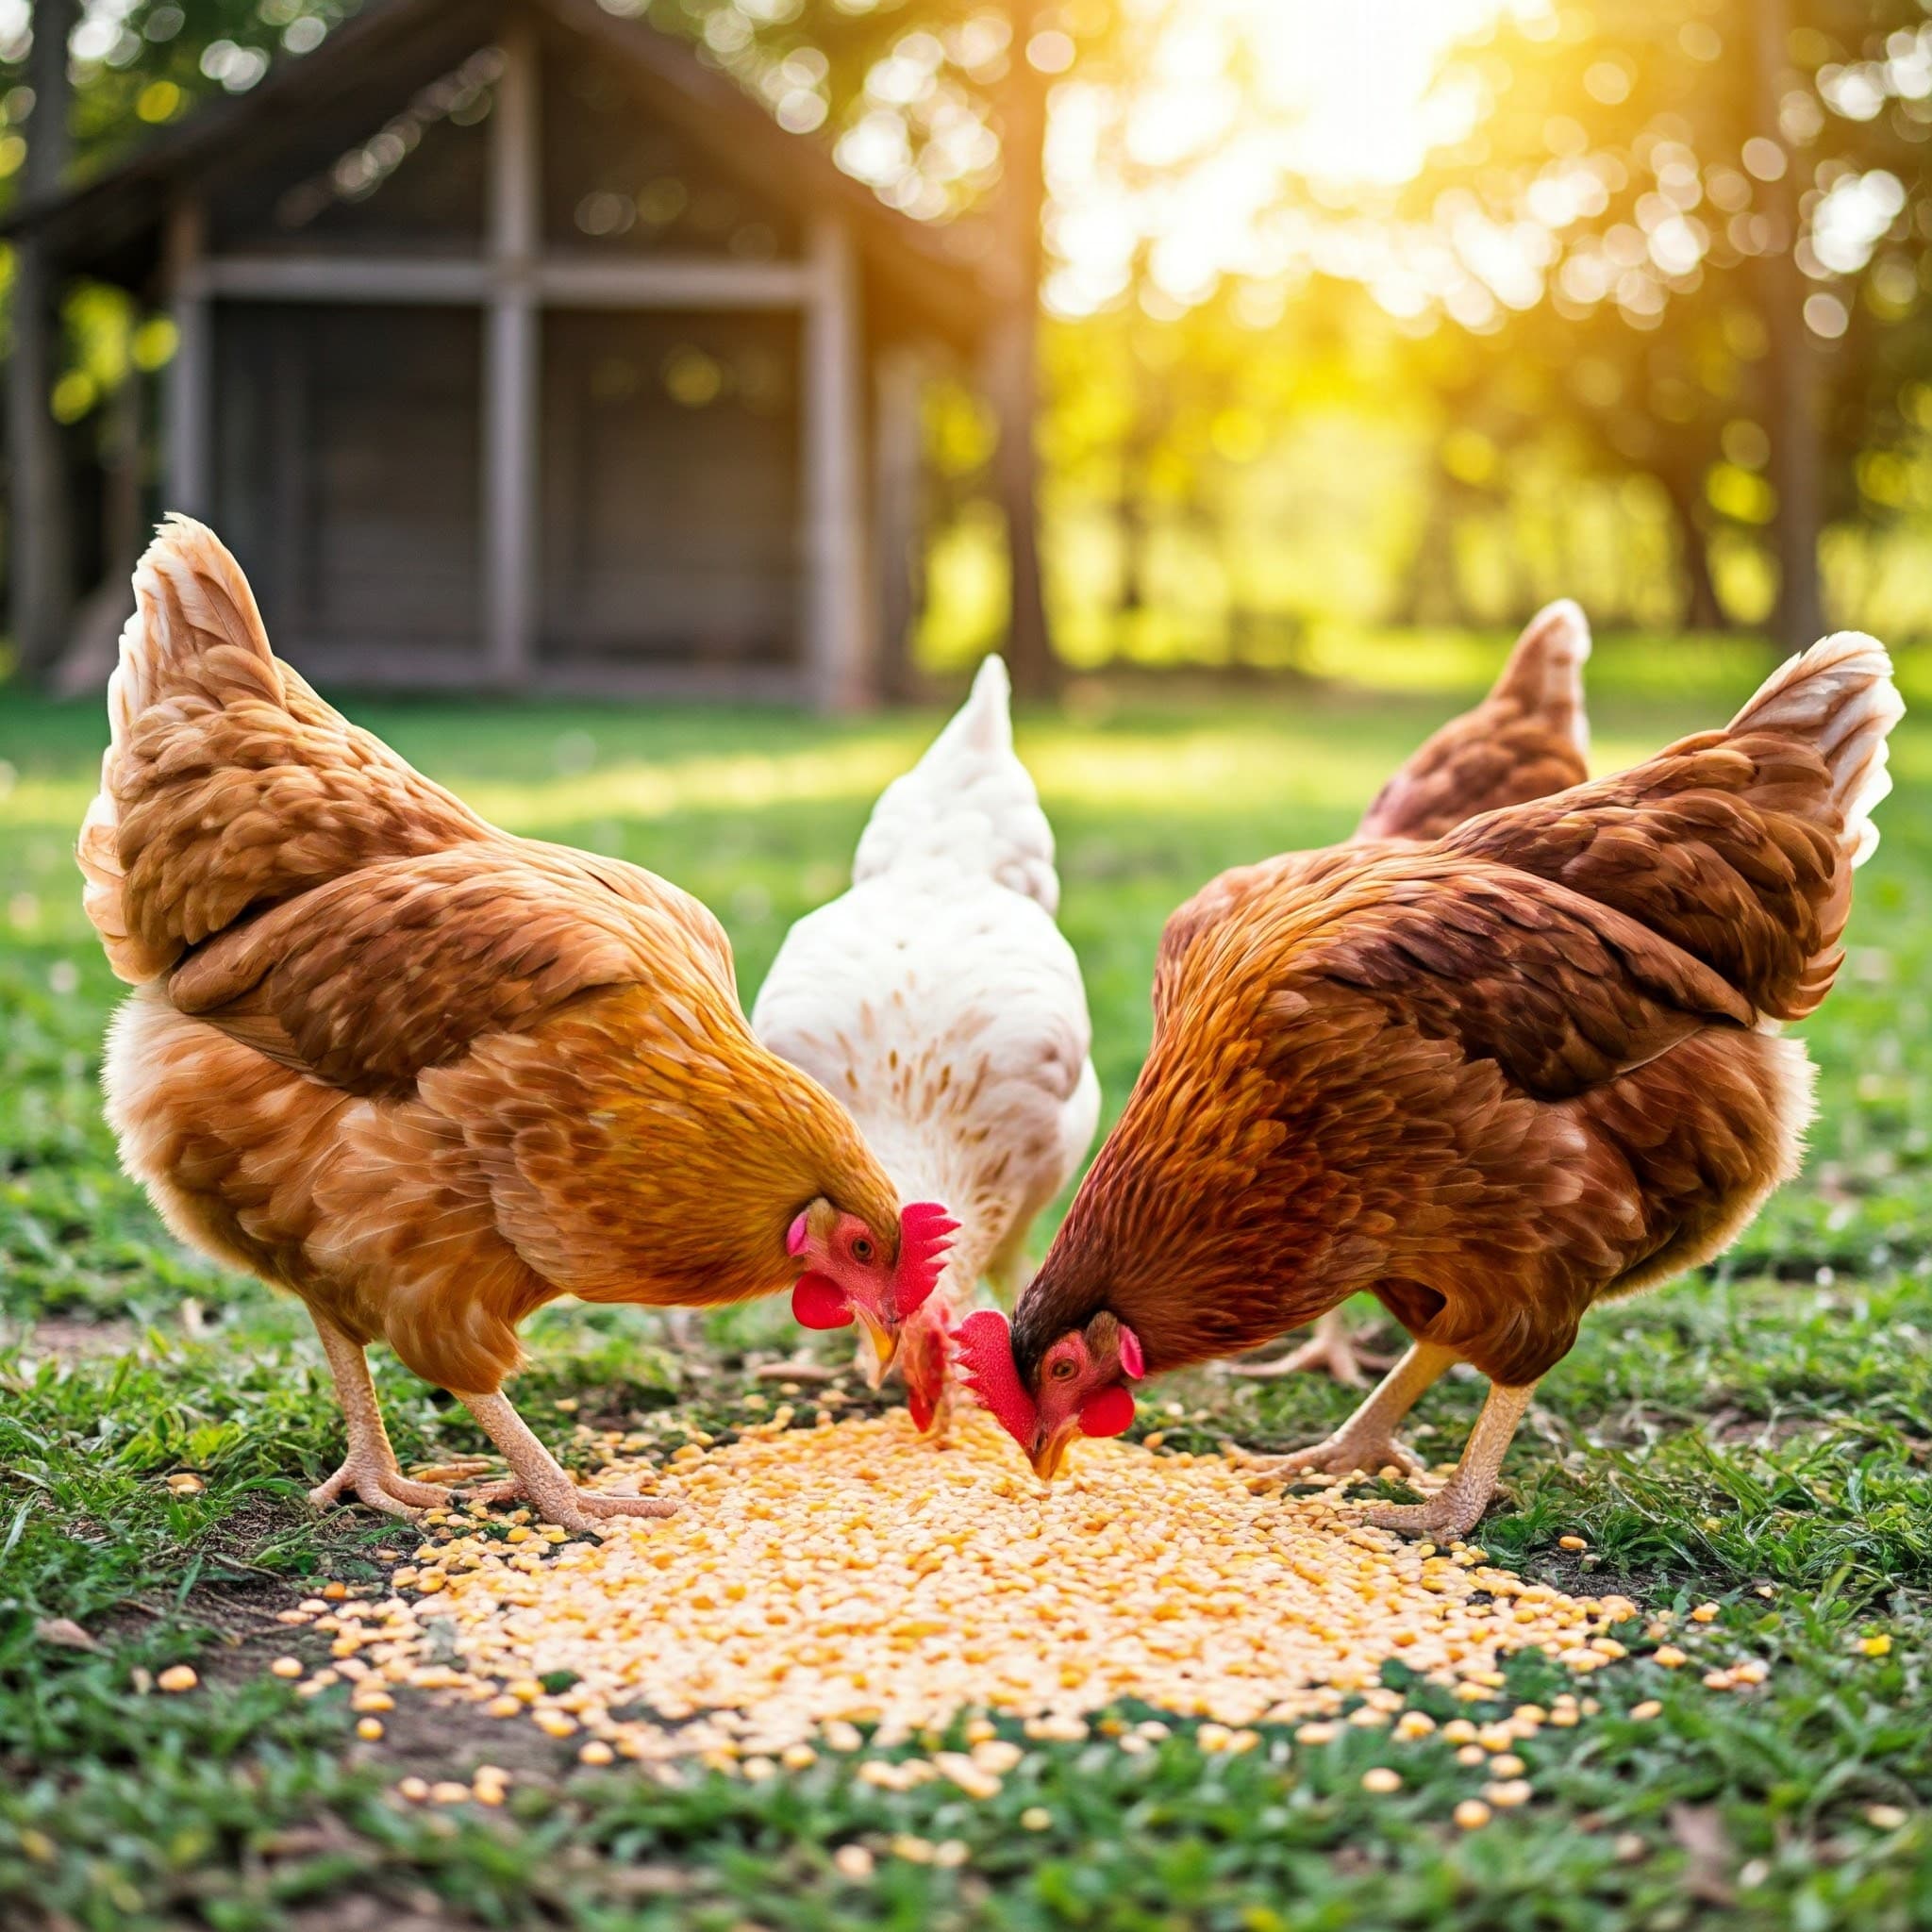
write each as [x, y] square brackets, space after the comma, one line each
[112, 225]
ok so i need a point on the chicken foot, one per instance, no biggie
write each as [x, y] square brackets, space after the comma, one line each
[1455, 1509]
[370, 1472]
[541, 1479]
[1367, 1440]
[1330, 1348]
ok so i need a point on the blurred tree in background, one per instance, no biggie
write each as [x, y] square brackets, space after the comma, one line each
[1414, 311]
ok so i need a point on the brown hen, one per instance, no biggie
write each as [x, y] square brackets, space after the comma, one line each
[1528, 738]
[1491, 1080]
[423, 1073]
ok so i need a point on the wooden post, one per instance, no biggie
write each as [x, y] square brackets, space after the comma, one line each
[510, 367]
[40, 583]
[1794, 405]
[898, 488]
[190, 402]
[1012, 354]
[840, 654]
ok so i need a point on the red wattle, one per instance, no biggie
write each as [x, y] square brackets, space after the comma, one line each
[819, 1302]
[1109, 1414]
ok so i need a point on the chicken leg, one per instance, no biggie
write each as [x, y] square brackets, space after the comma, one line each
[1330, 1348]
[370, 1471]
[1455, 1509]
[1367, 1440]
[539, 1477]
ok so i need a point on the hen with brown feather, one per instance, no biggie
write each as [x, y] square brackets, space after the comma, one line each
[1491, 1080]
[425, 1074]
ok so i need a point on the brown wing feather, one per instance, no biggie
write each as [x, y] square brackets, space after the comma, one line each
[407, 963]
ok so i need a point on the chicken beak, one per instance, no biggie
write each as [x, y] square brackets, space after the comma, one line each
[885, 1344]
[1049, 1452]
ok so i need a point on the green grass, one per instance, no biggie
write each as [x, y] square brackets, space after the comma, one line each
[1765, 1429]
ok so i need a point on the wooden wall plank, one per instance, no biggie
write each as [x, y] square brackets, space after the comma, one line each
[840, 642]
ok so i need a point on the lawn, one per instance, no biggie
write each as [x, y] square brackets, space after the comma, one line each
[1760, 1436]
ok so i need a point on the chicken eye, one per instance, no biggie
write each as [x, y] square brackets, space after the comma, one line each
[861, 1249]
[1061, 1370]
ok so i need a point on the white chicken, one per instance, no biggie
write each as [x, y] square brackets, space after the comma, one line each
[940, 1002]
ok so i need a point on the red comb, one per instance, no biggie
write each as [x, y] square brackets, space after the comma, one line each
[819, 1302]
[926, 1232]
[984, 1345]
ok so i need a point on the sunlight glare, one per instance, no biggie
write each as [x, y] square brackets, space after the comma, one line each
[1225, 101]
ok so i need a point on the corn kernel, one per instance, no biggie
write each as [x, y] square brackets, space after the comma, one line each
[1471, 1814]
[844, 1575]
[369, 1728]
[178, 1677]
[286, 1667]
[1381, 1780]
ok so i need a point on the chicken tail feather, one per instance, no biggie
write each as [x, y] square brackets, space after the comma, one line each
[1544, 675]
[968, 802]
[1840, 699]
[227, 785]
[1737, 846]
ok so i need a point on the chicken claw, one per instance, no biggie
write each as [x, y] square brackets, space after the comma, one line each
[370, 1472]
[379, 1481]
[1347, 1450]
[1457, 1507]
[1367, 1440]
[1443, 1519]
[538, 1479]
[1331, 1348]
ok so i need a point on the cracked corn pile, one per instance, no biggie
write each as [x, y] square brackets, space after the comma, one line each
[853, 1574]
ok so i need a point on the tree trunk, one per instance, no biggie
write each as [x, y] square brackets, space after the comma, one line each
[41, 591]
[1791, 364]
[1013, 357]
[1704, 610]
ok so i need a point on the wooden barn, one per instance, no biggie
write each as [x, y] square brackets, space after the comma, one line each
[520, 349]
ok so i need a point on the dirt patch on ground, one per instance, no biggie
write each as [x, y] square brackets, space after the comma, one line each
[67, 1339]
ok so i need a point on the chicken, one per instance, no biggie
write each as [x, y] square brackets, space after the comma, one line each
[1491, 1080]
[939, 1001]
[1528, 738]
[427, 1076]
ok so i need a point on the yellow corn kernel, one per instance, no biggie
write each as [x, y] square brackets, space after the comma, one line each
[845, 1579]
